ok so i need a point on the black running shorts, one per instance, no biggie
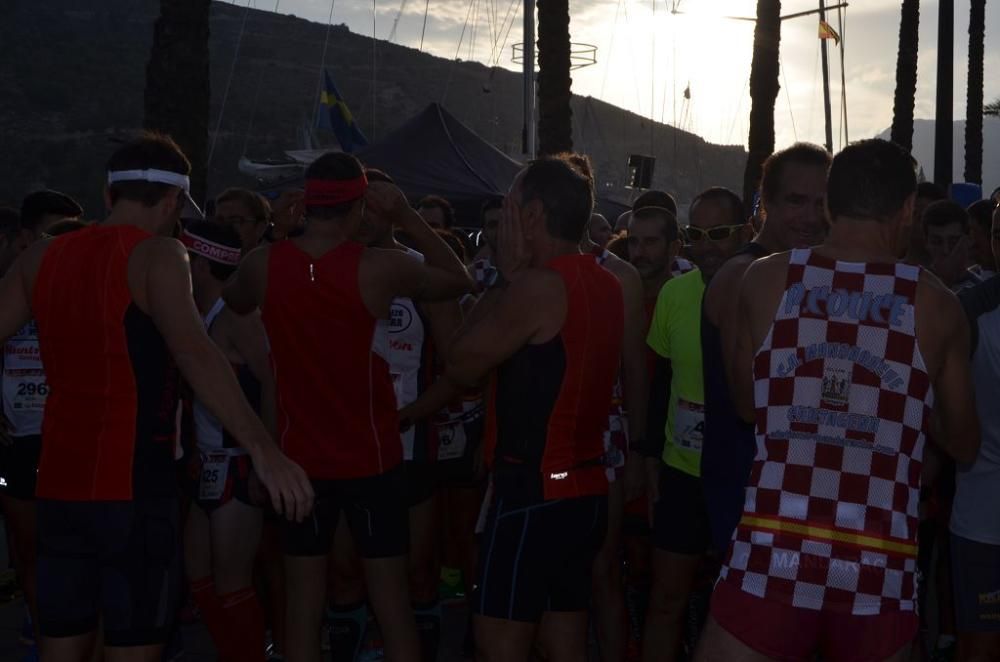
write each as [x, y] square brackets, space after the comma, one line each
[680, 517]
[976, 578]
[119, 561]
[538, 558]
[376, 509]
[19, 466]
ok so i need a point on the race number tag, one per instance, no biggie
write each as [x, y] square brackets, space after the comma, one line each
[689, 425]
[26, 390]
[214, 472]
[451, 440]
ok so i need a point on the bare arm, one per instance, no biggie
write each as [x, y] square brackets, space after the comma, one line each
[739, 358]
[634, 378]
[250, 340]
[166, 292]
[445, 276]
[518, 314]
[955, 424]
[15, 290]
[244, 292]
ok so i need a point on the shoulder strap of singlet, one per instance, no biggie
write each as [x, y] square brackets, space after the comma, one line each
[214, 312]
[756, 250]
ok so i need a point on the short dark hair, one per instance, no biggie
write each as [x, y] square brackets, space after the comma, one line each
[655, 198]
[219, 234]
[870, 179]
[10, 222]
[376, 175]
[437, 202]
[725, 196]
[334, 166]
[801, 154]
[255, 202]
[65, 226]
[40, 204]
[491, 203]
[981, 213]
[565, 192]
[454, 242]
[931, 191]
[945, 212]
[671, 230]
[150, 150]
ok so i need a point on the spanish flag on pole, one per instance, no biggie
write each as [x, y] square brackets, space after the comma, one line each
[335, 116]
[826, 31]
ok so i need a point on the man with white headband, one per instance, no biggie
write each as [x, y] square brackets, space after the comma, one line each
[116, 321]
[325, 301]
[223, 526]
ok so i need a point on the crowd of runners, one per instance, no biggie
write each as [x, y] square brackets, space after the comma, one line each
[318, 411]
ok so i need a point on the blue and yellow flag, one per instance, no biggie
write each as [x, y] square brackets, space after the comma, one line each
[336, 116]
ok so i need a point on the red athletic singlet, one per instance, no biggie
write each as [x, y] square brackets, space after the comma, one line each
[549, 410]
[109, 424]
[336, 406]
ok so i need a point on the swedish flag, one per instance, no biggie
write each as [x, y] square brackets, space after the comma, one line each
[336, 116]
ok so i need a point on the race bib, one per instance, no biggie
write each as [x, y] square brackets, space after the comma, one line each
[214, 472]
[689, 425]
[451, 440]
[26, 390]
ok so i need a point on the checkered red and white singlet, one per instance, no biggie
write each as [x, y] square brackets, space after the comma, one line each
[843, 402]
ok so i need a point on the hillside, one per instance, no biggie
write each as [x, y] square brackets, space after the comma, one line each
[923, 150]
[73, 72]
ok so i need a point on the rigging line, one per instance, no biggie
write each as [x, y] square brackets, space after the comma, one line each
[253, 113]
[490, 25]
[374, 66]
[458, 51]
[423, 30]
[395, 22]
[322, 61]
[475, 31]
[652, 82]
[504, 31]
[631, 48]
[611, 46]
[739, 106]
[515, 5]
[842, 21]
[788, 97]
[229, 83]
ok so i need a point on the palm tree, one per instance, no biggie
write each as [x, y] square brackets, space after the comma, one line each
[906, 74]
[763, 93]
[555, 117]
[177, 90]
[974, 95]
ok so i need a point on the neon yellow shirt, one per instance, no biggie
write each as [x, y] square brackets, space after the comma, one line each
[675, 334]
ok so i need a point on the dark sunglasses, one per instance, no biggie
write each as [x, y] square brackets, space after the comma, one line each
[718, 233]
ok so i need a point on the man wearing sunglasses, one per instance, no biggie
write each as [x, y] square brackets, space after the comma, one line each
[792, 204]
[246, 212]
[680, 538]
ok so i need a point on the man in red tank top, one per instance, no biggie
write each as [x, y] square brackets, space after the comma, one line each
[325, 300]
[115, 321]
[846, 360]
[552, 327]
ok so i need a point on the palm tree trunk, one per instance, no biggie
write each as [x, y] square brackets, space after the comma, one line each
[176, 98]
[763, 93]
[974, 95]
[906, 75]
[555, 117]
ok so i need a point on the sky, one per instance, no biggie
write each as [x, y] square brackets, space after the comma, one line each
[647, 55]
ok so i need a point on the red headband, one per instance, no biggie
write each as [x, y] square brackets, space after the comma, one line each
[210, 249]
[332, 192]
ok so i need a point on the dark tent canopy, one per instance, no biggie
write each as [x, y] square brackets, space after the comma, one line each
[435, 154]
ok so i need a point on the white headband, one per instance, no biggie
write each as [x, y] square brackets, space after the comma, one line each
[150, 175]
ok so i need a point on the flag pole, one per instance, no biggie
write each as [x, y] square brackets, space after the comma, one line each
[826, 81]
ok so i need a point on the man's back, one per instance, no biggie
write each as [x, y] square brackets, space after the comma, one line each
[551, 398]
[109, 420]
[336, 406]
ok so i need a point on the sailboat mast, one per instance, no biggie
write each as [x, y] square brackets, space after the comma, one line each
[826, 82]
[529, 133]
